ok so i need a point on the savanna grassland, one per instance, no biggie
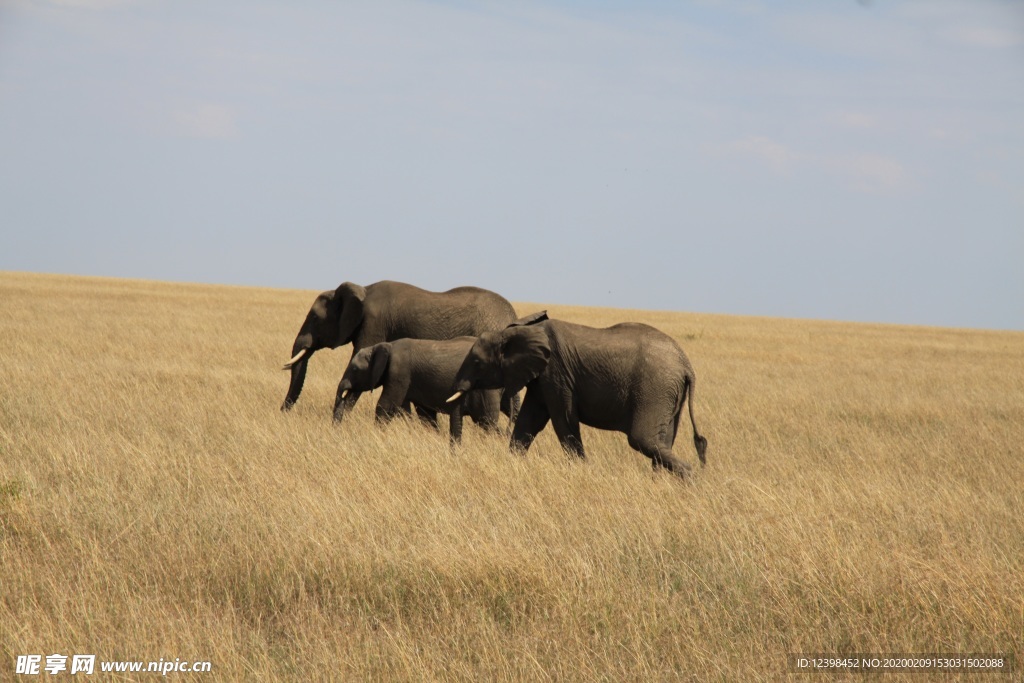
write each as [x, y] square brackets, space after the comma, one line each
[864, 493]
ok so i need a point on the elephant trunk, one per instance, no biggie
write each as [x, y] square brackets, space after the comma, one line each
[510, 405]
[344, 401]
[298, 370]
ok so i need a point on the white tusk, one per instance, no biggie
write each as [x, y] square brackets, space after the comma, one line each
[289, 364]
[455, 396]
[344, 393]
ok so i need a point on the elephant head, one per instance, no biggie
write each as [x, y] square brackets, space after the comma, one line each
[365, 372]
[509, 359]
[332, 321]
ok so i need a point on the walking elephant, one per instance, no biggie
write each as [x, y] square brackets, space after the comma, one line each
[420, 372]
[385, 311]
[629, 378]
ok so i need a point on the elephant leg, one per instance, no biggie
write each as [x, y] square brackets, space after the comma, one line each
[567, 429]
[343, 405]
[427, 417]
[532, 418]
[484, 410]
[486, 423]
[392, 403]
[387, 411]
[660, 453]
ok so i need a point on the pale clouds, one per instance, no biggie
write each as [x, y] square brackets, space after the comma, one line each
[856, 119]
[91, 4]
[775, 155]
[874, 173]
[205, 120]
[989, 25]
[989, 37]
[871, 172]
[549, 121]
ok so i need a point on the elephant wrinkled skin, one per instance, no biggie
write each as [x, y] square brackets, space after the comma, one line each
[629, 378]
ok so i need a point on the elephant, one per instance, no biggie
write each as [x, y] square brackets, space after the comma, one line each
[629, 377]
[420, 372]
[386, 311]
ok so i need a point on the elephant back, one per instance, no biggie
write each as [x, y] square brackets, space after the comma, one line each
[419, 314]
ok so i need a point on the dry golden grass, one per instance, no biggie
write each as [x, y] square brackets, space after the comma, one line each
[863, 494]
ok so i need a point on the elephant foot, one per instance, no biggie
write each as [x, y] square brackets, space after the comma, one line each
[680, 469]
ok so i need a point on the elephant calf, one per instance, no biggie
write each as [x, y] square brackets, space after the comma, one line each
[629, 378]
[419, 372]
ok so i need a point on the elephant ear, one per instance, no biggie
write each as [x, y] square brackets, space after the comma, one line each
[531, 319]
[525, 353]
[379, 363]
[350, 298]
[322, 304]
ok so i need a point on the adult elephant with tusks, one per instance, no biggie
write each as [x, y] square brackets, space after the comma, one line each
[629, 378]
[386, 311]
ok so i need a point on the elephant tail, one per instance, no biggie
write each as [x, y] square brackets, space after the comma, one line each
[699, 441]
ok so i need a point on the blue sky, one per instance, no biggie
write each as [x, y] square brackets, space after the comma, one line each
[840, 160]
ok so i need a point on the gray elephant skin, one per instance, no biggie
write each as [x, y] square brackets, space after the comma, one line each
[420, 372]
[386, 311]
[630, 378]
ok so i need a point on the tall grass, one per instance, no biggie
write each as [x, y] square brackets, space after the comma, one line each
[863, 494]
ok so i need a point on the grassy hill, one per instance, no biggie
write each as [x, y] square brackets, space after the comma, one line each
[863, 493]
